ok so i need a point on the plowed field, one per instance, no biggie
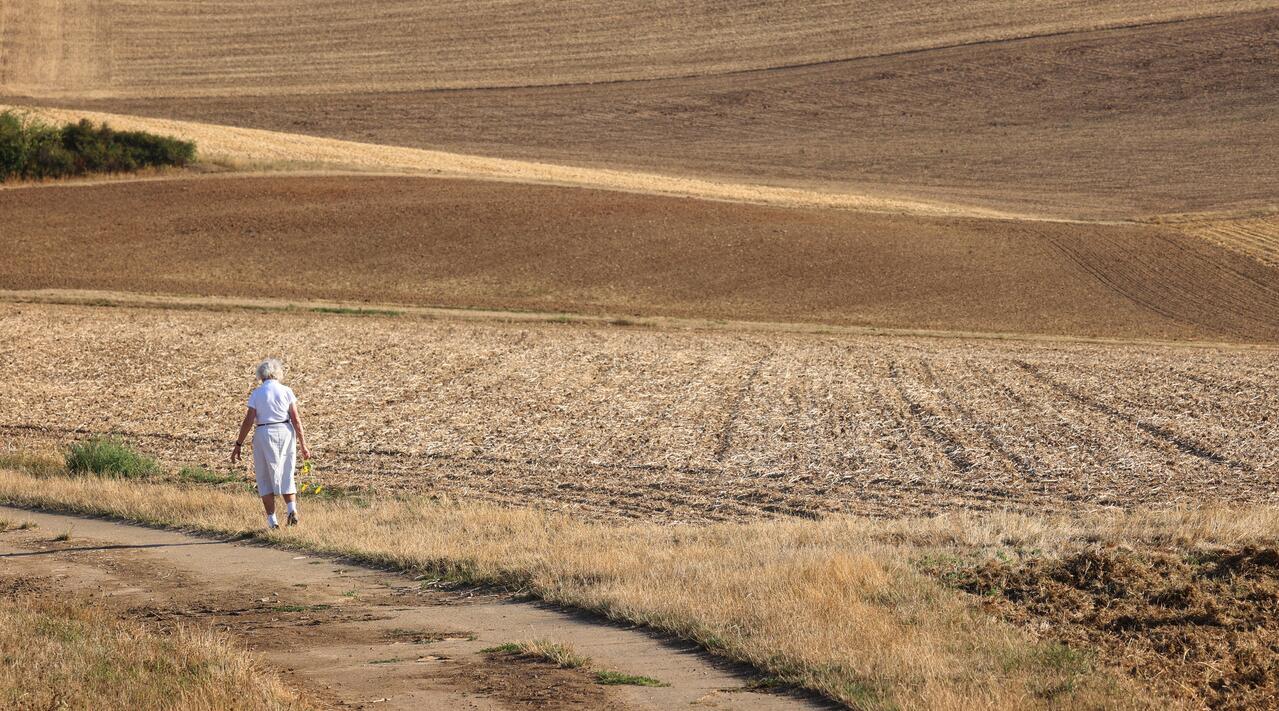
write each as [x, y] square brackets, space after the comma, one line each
[504, 245]
[682, 426]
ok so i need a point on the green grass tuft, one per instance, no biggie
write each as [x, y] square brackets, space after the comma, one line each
[301, 608]
[612, 678]
[200, 475]
[109, 457]
[354, 311]
[558, 654]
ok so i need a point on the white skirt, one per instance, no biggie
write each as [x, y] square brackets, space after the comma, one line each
[274, 456]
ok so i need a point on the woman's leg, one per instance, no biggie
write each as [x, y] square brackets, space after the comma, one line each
[268, 503]
[262, 473]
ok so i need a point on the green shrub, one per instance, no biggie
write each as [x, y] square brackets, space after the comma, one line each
[108, 457]
[32, 149]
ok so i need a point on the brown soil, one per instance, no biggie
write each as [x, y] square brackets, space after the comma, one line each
[1199, 625]
[668, 425]
[543, 248]
[1163, 118]
[351, 637]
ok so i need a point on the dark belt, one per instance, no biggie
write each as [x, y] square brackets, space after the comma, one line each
[268, 424]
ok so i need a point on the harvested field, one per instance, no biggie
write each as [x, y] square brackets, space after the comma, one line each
[1257, 237]
[543, 248]
[1113, 124]
[670, 426]
[237, 48]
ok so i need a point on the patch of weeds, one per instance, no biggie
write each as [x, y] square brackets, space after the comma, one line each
[1065, 659]
[560, 655]
[866, 696]
[109, 457]
[352, 593]
[765, 683]
[612, 678]
[64, 536]
[301, 608]
[392, 660]
[353, 494]
[400, 634]
[200, 475]
[355, 311]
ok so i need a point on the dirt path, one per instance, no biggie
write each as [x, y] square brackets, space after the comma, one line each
[358, 638]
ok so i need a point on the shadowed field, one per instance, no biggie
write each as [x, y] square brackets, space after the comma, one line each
[505, 245]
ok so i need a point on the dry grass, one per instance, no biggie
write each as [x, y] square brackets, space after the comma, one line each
[66, 654]
[836, 605]
[680, 425]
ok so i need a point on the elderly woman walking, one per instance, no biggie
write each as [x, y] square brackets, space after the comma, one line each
[273, 408]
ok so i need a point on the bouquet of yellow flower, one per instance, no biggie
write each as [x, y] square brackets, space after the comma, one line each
[304, 472]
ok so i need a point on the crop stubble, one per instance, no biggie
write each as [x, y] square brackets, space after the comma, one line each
[1125, 122]
[99, 46]
[675, 426]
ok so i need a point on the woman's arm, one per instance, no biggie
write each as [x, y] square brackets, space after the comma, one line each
[296, 417]
[249, 416]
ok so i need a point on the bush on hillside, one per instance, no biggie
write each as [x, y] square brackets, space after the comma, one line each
[33, 150]
[108, 457]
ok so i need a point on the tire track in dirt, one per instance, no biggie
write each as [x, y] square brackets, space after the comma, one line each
[1189, 287]
[725, 438]
[926, 421]
[1009, 461]
[1184, 444]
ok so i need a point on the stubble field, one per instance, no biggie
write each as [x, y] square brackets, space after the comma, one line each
[1137, 120]
[616, 422]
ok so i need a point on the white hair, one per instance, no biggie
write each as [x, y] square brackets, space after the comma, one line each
[269, 369]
